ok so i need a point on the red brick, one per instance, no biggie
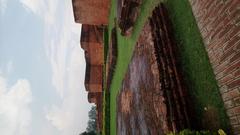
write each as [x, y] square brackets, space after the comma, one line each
[232, 67]
[227, 54]
[226, 6]
[238, 46]
[226, 29]
[232, 42]
[223, 89]
[236, 129]
[237, 101]
[235, 83]
[226, 21]
[234, 120]
[209, 4]
[237, 73]
[94, 12]
[234, 31]
[237, 21]
[235, 57]
[215, 11]
[234, 14]
[230, 112]
[226, 79]
[219, 21]
[234, 5]
[229, 104]
[221, 67]
[236, 110]
[238, 118]
[217, 43]
[231, 94]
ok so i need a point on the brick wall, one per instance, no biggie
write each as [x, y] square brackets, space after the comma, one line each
[219, 24]
[93, 12]
[92, 43]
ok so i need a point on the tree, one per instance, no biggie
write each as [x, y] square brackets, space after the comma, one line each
[92, 122]
[88, 133]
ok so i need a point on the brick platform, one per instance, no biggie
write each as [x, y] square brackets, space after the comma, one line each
[219, 24]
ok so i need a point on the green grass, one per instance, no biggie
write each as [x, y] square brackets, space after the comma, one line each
[106, 94]
[199, 75]
[125, 51]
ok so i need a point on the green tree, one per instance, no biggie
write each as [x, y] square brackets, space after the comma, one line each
[92, 122]
[88, 133]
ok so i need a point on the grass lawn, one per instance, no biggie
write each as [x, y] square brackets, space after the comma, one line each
[199, 75]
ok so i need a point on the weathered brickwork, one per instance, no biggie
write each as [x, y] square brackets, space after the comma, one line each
[219, 24]
[94, 12]
[92, 44]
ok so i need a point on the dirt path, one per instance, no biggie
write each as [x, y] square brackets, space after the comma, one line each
[141, 107]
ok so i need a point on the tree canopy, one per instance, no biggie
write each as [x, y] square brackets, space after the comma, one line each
[92, 122]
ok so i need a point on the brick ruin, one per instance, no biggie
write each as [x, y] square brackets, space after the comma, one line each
[92, 44]
[170, 75]
[219, 25]
[127, 13]
[94, 12]
[93, 15]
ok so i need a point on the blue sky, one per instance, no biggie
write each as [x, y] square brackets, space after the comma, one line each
[42, 69]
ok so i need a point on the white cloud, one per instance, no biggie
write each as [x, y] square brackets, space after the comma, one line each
[3, 6]
[15, 114]
[46, 9]
[66, 58]
[63, 50]
[35, 6]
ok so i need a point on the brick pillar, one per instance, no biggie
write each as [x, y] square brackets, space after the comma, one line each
[219, 24]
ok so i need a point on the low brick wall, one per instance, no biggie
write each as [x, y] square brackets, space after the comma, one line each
[219, 24]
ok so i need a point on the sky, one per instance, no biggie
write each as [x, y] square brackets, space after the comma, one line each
[42, 69]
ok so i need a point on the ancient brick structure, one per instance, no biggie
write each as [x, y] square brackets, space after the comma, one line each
[92, 43]
[170, 76]
[94, 12]
[219, 24]
[99, 111]
[93, 78]
[92, 97]
[97, 99]
[127, 12]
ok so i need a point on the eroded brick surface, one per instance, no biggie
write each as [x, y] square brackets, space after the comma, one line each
[219, 24]
[92, 44]
[94, 12]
